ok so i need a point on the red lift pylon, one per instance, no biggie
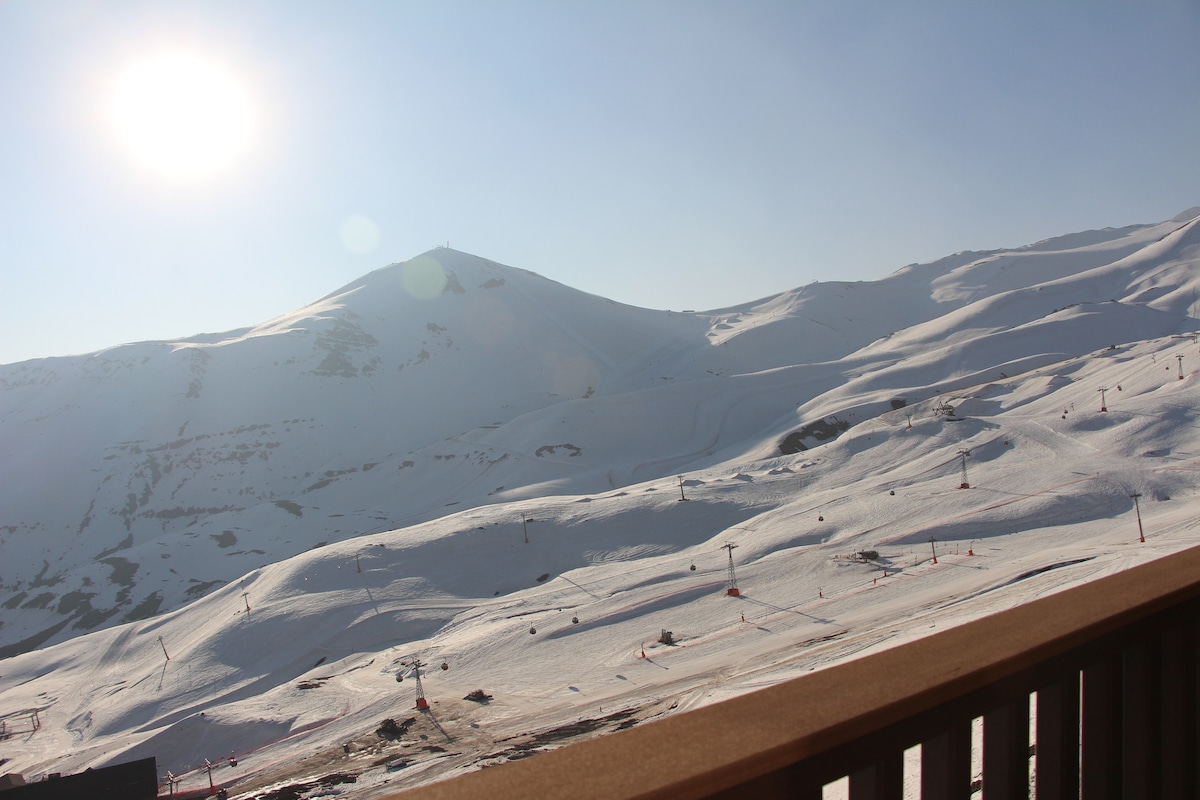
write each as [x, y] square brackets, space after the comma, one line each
[731, 587]
[963, 454]
[415, 666]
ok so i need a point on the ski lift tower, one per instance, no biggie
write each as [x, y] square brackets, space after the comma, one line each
[1134, 497]
[731, 588]
[963, 454]
[415, 665]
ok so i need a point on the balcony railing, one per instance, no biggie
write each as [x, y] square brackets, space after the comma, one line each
[1108, 670]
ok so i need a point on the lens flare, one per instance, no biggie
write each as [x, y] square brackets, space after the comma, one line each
[574, 376]
[423, 278]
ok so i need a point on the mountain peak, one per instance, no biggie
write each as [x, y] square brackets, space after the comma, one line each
[470, 462]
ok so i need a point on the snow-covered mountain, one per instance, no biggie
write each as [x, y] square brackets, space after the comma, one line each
[471, 461]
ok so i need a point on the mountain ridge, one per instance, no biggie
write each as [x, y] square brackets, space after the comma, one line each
[450, 381]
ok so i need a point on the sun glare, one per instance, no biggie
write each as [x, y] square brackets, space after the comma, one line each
[181, 116]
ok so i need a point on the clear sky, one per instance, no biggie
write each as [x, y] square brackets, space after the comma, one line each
[682, 154]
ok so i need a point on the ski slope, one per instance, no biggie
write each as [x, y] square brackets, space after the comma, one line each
[590, 524]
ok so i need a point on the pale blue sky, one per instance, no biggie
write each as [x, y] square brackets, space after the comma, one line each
[663, 154]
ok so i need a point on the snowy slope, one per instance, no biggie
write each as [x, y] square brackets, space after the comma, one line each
[162, 489]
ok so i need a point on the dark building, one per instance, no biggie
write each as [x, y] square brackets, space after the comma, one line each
[136, 780]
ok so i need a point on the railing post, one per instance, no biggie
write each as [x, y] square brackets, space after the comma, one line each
[1179, 710]
[883, 780]
[1058, 739]
[1140, 721]
[946, 764]
[1006, 751]
[1101, 770]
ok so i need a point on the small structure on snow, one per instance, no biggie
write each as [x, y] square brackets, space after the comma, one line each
[946, 410]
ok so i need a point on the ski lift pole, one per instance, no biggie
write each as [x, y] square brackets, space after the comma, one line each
[1138, 512]
[422, 703]
[731, 588]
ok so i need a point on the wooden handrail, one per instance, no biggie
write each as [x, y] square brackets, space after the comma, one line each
[720, 747]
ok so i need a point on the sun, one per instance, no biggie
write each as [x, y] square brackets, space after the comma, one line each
[181, 115]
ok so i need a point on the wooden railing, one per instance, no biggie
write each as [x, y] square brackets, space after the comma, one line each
[1108, 669]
